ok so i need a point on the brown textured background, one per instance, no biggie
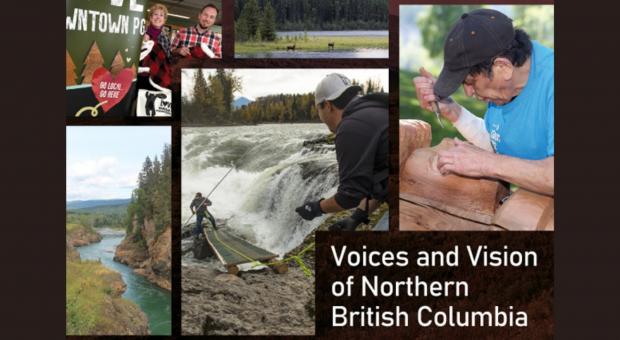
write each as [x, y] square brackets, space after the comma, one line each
[586, 251]
[529, 288]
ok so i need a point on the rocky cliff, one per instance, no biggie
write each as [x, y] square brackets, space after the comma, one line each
[148, 252]
[79, 235]
[253, 303]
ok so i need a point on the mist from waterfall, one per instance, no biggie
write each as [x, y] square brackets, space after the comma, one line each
[273, 174]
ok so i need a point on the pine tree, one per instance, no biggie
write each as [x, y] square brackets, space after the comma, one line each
[70, 71]
[216, 106]
[371, 86]
[93, 61]
[151, 199]
[147, 168]
[268, 24]
[241, 30]
[201, 96]
[117, 64]
[250, 14]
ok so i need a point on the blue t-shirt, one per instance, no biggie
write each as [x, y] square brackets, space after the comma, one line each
[523, 128]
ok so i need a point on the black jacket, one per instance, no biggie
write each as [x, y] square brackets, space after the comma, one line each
[362, 150]
[200, 208]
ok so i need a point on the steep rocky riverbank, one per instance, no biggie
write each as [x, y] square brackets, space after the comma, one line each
[147, 251]
[78, 235]
[94, 305]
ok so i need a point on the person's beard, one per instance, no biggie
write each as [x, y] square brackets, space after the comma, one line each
[203, 27]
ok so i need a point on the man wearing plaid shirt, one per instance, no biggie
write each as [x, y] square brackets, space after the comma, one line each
[190, 37]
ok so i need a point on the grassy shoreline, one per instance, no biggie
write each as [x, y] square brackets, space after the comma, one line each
[94, 302]
[313, 44]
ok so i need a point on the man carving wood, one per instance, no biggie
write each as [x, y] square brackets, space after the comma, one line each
[500, 65]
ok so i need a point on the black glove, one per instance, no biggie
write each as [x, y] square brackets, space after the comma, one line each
[350, 223]
[310, 210]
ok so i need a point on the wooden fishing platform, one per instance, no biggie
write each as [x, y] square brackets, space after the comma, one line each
[233, 251]
[430, 201]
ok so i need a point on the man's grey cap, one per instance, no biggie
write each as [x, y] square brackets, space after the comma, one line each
[478, 36]
[332, 87]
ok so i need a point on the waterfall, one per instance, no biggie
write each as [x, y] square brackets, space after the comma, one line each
[274, 173]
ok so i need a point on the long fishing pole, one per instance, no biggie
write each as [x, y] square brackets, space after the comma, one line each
[207, 197]
[216, 185]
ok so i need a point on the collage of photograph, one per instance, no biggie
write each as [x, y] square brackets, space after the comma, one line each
[209, 142]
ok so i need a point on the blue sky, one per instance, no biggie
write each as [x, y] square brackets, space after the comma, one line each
[103, 162]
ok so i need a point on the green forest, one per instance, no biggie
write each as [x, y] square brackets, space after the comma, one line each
[103, 216]
[536, 20]
[100, 217]
[151, 199]
[211, 103]
[212, 99]
[260, 19]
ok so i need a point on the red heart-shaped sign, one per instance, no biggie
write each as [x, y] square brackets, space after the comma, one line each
[110, 89]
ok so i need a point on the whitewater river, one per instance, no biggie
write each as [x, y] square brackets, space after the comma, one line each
[153, 300]
[273, 174]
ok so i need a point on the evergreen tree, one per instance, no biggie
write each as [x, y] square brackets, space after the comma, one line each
[298, 15]
[241, 29]
[70, 70]
[147, 169]
[150, 201]
[230, 84]
[268, 24]
[93, 61]
[216, 107]
[250, 15]
[200, 88]
[117, 63]
[200, 97]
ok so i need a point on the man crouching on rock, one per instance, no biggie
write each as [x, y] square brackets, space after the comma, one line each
[361, 127]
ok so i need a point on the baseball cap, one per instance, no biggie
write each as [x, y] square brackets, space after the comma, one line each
[332, 87]
[478, 36]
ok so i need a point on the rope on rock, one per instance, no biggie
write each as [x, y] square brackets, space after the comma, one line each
[255, 263]
[297, 258]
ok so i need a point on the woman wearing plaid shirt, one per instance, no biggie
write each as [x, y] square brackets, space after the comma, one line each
[157, 19]
[193, 36]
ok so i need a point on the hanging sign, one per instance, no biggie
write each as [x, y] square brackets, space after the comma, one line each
[103, 40]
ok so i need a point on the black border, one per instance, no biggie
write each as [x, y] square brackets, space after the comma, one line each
[33, 172]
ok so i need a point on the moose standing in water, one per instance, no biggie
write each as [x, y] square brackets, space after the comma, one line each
[330, 46]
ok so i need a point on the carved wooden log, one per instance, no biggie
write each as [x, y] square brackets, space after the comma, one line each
[525, 210]
[470, 198]
[413, 134]
[417, 217]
